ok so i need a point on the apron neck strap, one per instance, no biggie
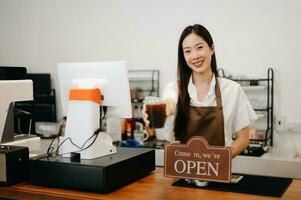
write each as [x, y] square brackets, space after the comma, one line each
[218, 95]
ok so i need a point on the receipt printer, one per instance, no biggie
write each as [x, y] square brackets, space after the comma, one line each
[13, 164]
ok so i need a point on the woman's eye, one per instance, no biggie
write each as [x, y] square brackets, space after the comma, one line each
[199, 47]
[187, 51]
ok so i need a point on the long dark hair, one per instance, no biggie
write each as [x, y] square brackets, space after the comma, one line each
[184, 73]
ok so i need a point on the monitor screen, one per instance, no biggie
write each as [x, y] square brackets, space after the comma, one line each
[115, 90]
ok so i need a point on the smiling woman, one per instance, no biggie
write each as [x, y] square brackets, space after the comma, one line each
[203, 103]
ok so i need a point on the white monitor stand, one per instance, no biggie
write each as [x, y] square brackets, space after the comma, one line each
[12, 91]
[83, 116]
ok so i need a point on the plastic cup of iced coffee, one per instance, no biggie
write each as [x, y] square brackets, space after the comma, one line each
[156, 111]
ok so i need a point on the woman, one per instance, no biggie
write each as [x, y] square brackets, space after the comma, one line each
[203, 103]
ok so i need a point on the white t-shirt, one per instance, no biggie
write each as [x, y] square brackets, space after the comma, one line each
[238, 113]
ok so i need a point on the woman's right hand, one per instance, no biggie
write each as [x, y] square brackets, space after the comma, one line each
[170, 107]
[145, 116]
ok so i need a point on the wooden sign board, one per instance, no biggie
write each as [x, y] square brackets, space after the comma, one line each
[198, 160]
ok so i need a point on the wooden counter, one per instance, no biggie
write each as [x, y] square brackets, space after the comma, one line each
[154, 186]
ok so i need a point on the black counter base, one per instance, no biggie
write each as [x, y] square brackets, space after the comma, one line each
[101, 175]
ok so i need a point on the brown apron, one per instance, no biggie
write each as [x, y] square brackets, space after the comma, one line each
[207, 122]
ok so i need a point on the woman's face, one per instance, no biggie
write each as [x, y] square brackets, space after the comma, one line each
[197, 53]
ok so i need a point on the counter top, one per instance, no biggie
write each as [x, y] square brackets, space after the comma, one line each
[154, 186]
[279, 161]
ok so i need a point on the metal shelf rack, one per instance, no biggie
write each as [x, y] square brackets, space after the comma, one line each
[268, 110]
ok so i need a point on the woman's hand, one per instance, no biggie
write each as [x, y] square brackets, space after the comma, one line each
[241, 142]
[145, 116]
[170, 107]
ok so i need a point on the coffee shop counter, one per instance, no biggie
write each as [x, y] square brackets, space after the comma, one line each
[281, 160]
[156, 186]
[153, 186]
[267, 165]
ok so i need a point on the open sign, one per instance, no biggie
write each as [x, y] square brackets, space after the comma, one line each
[198, 160]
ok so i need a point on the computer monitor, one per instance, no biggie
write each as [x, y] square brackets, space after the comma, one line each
[83, 115]
[116, 90]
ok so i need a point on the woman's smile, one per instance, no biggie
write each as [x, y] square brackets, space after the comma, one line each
[198, 63]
